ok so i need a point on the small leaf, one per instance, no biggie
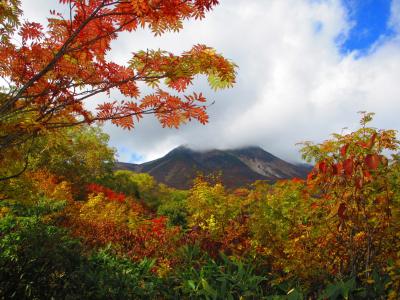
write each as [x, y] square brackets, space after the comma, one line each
[191, 284]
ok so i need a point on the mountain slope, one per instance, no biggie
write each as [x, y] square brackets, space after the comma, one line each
[238, 167]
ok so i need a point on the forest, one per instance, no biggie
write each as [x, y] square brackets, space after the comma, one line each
[74, 227]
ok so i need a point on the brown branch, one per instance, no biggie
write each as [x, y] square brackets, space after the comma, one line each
[17, 174]
[25, 165]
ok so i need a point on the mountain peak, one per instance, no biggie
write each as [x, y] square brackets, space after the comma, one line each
[250, 147]
[182, 149]
[239, 167]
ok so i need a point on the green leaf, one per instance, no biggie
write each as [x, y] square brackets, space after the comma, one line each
[294, 294]
[217, 83]
[191, 284]
[208, 288]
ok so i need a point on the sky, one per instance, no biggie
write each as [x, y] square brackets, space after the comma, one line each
[306, 67]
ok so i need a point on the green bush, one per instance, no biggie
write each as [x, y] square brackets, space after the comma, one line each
[223, 279]
[174, 207]
[105, 276]
[37, 261]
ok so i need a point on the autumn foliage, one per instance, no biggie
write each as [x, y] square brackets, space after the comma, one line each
[108, 193]
[334, 234]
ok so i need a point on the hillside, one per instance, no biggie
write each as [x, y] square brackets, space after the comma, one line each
[239, 167]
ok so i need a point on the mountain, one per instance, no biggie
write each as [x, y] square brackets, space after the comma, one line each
[239, 167]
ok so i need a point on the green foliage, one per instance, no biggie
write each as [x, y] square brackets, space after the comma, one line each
[104, 276]
[79, 155]
[223, 279]
[342, 289]
[142, 186]
[68, 159]
[139, 185]
[211, 207]
[352, 289]
[278, 212]
[173, 205]
[37, 261]
[121, 182]
[148, 188]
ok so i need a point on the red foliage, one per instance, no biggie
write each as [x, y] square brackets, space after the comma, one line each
[108, 193]
[152, 239]
[348, 166]
[235, 240]
[372, 161]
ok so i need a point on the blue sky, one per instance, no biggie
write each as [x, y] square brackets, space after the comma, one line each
[370, 21]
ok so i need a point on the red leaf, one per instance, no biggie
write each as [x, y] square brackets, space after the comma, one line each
[312, 175]
[322, 167]
[363, 145]
[341, 211]
[348, 166]
[359, 182]
[372, 161]
[367, 175]
[343, 150]
[337, 169]
[297, 180]
[372, 140]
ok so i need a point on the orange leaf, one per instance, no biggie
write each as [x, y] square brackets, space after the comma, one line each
[337, 169]
[311, 176]
[363, 145]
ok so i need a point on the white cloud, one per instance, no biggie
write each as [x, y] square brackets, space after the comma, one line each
[293, 82]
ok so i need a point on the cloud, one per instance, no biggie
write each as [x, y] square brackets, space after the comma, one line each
[294, 83]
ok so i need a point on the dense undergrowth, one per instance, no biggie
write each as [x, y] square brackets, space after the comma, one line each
[72, 228]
